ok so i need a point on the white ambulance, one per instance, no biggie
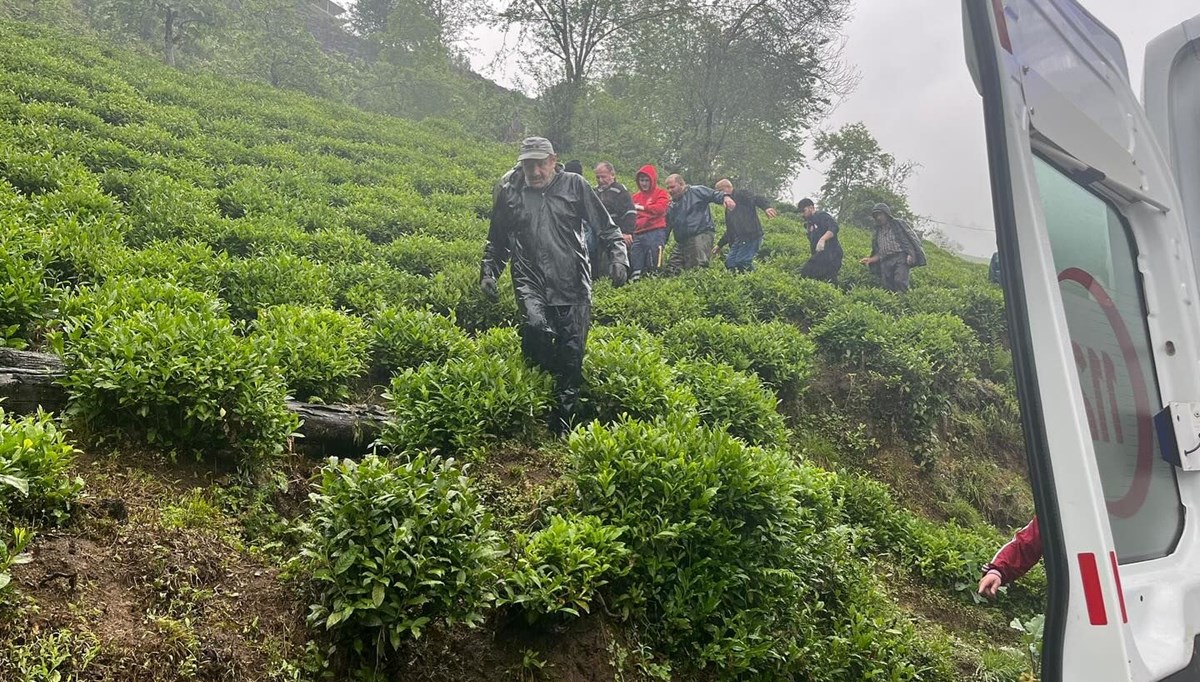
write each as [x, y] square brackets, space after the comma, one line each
[1097, 210]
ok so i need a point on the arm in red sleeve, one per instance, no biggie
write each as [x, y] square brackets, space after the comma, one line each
[1019, 555]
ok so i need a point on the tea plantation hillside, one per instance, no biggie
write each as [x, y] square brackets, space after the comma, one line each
[778, 479]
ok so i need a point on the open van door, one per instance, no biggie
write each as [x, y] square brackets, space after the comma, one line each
[1101, 295]
[1171, 93]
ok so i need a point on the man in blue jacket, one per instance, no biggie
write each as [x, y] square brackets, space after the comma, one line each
[691, 224]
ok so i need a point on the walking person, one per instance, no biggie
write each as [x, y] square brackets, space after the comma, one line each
[826, 260]
[895, 249]
[619, 204]
[743, 231]
[650, 224]
[538, 216]
[690, 222]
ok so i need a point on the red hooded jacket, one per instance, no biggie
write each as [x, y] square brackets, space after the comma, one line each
[652, 214]
[1019, 555]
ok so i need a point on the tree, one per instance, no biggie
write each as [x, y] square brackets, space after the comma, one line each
[375, 19]
[861, 174]
[563, 40]
[271, 42]
[178, 24]
[736, 84]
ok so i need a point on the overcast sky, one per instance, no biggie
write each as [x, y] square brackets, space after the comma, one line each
[917, 98]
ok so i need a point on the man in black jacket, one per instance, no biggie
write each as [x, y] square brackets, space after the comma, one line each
[742, 227]
[826, 260]
[538, 216]
[619, 203]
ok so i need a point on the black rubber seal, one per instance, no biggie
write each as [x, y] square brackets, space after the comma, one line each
[1041, 474]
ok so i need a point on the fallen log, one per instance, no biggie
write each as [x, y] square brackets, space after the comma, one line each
[29, 380]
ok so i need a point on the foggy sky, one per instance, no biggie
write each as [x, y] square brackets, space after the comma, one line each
[917, 98]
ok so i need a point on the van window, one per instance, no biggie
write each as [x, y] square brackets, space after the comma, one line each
[1095, 258]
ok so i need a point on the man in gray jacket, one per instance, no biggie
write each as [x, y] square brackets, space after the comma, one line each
[691, 224]
[538, 217]
[895, 249]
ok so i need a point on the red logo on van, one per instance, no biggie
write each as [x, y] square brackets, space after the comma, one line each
[1102, 404]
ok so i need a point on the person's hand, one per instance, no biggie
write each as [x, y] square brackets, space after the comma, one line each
[628, 238]
[638, 207]
[716, 249]
[989, 584]
[620, 275]
[488, 286]
[910, 260]
[820, 246]
[771, 213]
[730, 204]
[865, 261]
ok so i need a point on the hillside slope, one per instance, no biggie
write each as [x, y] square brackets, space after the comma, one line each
[198, 249]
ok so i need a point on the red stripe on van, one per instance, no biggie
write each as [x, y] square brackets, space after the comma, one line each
[1120, 592]
[1002, 25]
[1092, 593]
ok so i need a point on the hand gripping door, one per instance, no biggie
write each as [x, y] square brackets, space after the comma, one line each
[1102, 309]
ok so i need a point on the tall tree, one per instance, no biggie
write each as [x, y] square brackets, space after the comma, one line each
[861, 174]
[271, 42]
[376, 18]
[563, 41]
[736, 84]
[173, 24]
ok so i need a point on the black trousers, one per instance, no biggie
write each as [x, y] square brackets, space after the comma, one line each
[555, 341]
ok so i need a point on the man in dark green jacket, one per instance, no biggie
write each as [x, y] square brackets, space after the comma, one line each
[538, 217]
[691, 224]
[895, 249]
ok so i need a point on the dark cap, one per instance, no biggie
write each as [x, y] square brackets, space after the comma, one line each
[805, 203]
[881, 208]
[537, 148]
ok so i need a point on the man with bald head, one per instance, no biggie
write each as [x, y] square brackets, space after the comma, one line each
[691, 224]
[743, 231]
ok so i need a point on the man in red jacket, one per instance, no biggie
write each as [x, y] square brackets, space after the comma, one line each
[650, 226]
[1013, 560]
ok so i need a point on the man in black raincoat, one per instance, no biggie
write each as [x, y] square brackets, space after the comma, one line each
[538, 217]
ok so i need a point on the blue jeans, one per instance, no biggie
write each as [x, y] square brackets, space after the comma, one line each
[644, 252]
[741, 255]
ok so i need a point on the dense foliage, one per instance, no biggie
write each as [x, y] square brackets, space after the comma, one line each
[394, 546]
[197, 249]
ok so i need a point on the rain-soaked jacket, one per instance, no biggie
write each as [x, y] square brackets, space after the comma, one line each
[653, 215]
[689, 215]
[542, 232]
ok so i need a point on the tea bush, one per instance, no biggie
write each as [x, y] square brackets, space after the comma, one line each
[177, 378]
[653, 304]
[393, 547]
[254, 283]
[463, 403]
[716, 533]
[777, 352]
[23, 292]
[190, 264]
[949, 345]
[561, 568]
[735, 401]
[779, 296]
[35, 463]
[404, 339]
[855, 333]
[318, 351]
[625, 374]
